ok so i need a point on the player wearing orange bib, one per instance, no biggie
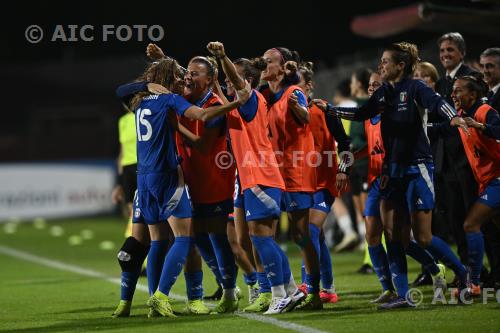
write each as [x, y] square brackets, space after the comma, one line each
[293, 143]
[482, 147]
[330, 180]
[261, 182]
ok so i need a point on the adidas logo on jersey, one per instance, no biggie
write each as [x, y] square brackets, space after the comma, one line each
[248, 213]
[484, 197]
[293, 204]
[419, 202]
[217, 209]
[323, 204]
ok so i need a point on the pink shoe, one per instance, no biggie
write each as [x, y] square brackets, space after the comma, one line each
[327, 297]
[303, 288]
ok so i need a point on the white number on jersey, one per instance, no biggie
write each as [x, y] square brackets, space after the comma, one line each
[139, 115]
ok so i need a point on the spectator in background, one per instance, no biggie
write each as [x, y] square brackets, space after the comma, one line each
[342, 98]
[427, 72]
[489, 62]
[358, 177]
[456, 188]
[490, 67]
[127, 166]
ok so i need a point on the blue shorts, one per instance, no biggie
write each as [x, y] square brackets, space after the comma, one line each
[160, 196]
[323, 200]
[261, 202]
[372, 205]
[217, 209]
[238, 195]
[491, 195]
[292, 201]
[415, 189]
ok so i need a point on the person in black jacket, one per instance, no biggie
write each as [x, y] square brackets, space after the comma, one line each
[490, 67]
[456, 189]
[489, 63]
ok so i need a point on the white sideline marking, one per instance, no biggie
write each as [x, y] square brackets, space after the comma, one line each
[91, 273]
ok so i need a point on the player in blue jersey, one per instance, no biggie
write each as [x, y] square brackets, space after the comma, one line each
[161, 194]
[407, 176]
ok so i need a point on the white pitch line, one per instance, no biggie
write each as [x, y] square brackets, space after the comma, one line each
[91, 273]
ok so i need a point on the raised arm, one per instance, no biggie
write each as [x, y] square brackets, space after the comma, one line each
[217, 49]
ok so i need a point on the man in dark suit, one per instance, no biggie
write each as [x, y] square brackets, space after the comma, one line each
[456, 188]
[489, 62]
[490, 67]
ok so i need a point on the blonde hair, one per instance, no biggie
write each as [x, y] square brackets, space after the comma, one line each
[428, 69]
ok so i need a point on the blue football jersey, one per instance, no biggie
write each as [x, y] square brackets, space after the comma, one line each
[156, 148]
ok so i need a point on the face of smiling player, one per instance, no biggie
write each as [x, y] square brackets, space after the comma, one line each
[462, 97]
[197, 81]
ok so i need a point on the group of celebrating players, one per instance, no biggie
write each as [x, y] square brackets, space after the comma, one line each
[188, 206]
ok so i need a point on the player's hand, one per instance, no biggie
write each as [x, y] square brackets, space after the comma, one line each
[216, 49]
[117, 195]
[472, 123]
[244, 94]
[320, 104]
[460, 122]
[341, 182]
[293, 102]
[157, 89]
[154, 52]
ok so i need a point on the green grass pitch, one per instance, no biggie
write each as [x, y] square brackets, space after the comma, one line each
[37, 297]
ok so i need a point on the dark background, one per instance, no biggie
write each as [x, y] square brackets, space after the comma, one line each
[58, 97]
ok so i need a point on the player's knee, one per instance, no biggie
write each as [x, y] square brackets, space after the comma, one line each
[423, 240]
[373, 238]
[132, 254]
[300, 239]
[471, 226]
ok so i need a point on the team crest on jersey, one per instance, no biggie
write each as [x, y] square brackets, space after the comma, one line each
[403, 96]
[137, 213]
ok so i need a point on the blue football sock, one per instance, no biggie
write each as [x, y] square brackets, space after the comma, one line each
[204, 245]
[442, 252]
[250, 279]
[225, 260]
[156, 258]
[174, 262]
[313, 279]
[270, 258]
[397, 264]
[285, 265]
[128, 283]
[475, 252]
[381, 266]
[423, 257]
[194, 285]
[303, 272]
[264, 285]
[325, 265]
